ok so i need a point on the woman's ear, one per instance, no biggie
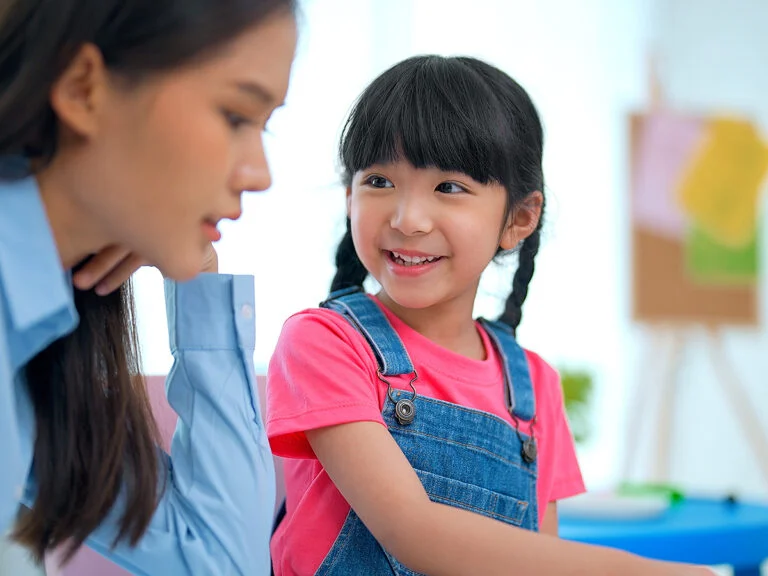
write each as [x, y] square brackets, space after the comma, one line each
[522, 221]
[78, 94]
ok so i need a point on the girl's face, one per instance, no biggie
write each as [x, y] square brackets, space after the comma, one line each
[426, 235]
[153, 167]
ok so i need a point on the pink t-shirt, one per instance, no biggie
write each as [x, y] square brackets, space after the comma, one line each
[323, 373]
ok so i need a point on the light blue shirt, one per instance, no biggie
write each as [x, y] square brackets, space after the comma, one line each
[216, 512]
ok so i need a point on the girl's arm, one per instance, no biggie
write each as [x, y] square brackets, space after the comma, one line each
[550, 523]
[373, 475]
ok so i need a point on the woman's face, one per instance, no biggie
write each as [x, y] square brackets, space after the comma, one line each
[170, 157]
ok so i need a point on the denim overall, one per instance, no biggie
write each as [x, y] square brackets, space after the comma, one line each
[464, 457]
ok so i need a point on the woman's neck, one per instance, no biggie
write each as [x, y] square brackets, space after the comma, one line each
[449, 324]
[74, 233]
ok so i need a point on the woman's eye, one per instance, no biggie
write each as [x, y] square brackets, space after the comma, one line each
[378, 182]
[450, 188]
[235, 120]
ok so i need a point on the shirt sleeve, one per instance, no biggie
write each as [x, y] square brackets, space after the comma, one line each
[321, 374]
[567, 480]
[215, 514]
[559, 472]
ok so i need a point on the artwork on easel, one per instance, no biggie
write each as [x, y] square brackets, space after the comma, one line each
[695, 222]
[695, 185]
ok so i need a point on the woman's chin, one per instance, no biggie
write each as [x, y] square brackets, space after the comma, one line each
[181, 268]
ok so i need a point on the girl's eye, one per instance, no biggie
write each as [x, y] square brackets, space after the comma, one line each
[450, 188]
[378, 182]
[234, 120]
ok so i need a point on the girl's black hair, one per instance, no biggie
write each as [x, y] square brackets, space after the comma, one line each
[456, 114]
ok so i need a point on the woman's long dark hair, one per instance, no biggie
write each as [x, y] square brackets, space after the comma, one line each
[459, 115]
[96, 436]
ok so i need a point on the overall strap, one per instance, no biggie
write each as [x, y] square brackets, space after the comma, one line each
[522, 402]
[366, 316]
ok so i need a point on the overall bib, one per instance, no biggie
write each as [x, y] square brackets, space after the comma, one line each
[464, 457]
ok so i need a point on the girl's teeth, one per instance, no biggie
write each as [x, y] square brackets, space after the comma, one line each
[412, 260]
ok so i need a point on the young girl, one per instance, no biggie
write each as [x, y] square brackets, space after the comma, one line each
[421, 440]
[133, 128]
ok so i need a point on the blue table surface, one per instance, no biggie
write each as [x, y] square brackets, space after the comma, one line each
[698, 531]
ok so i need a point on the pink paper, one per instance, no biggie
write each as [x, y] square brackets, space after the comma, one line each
[666, 144]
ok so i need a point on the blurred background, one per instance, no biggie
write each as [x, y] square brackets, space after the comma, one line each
[655, 114]
[601, 302]
[592, 307]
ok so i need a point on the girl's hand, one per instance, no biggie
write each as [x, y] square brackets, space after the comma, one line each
[113, 266]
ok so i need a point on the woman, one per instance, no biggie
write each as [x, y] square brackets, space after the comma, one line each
[133, 128]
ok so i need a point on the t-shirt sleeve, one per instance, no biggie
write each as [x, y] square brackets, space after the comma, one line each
[559, 472]
[567, 480]
[322, 373]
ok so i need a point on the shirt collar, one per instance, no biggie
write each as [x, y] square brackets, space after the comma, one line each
[36, 287]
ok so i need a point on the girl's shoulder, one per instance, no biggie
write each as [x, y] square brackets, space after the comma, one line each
[540, 368]
[320, 331]
[545, 378]
[313, 322]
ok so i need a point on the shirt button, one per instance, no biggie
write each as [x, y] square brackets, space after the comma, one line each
[246, 311]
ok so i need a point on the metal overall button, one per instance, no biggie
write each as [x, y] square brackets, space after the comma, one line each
[405, 408]
[530, 450]
[405, 411]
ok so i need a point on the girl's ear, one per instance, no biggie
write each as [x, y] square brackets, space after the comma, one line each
[523, 220]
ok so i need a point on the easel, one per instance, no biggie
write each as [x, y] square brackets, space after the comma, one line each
[674, 314]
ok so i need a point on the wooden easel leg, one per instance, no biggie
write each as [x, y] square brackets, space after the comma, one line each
[658, 379]
[667, 406]
[739, 399]
[637, 408]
